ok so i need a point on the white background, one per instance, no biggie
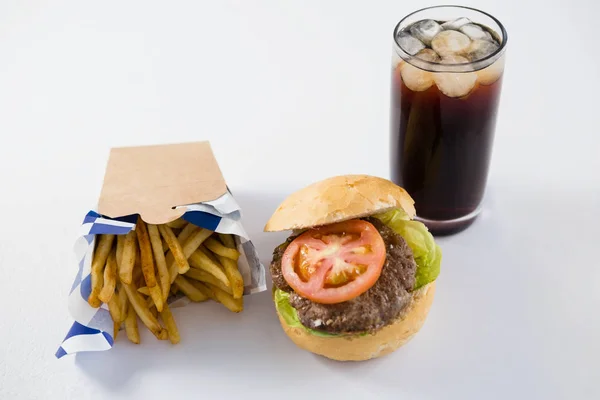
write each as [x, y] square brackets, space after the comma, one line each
[288, 93]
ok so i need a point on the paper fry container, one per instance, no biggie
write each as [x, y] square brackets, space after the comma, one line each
[161, 184]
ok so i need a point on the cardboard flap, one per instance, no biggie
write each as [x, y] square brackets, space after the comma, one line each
[152, 180]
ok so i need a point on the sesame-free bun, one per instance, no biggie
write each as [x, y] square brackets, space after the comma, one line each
[338, 199]
[360, 348]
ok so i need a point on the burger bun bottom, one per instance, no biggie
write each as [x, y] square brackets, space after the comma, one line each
[359, 348]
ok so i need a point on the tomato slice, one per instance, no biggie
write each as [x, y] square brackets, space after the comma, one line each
[334, 263]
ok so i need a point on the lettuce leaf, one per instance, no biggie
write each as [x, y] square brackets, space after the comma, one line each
[289, 313]
[427, 254]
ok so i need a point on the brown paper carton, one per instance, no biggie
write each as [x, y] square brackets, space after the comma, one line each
[161, 183]
[153, 180]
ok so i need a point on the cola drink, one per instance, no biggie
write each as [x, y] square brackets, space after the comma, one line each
[446, 85]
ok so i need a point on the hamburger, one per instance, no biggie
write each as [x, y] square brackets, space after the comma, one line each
[356, 278]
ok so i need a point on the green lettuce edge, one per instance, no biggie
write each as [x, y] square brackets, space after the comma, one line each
[426, 252]
[290, 314]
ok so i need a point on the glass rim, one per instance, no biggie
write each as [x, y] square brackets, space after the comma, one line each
[462, 67]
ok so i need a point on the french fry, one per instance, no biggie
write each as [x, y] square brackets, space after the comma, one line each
[103, 248]
[203, 288]
[165, 246]
[181, 238]
[199, 260]
[123, 302]
[216, 247]
[115, 310]
[120, 244]
[97, 281]
[161, 264]
[131, 327]
[164, 335]
[202, 276]
[186, 232]
[169, 322]
[148, 264]
[152, 307]
[215, 293]
[234, 276]
[235, 305]
[190, 245]
[110, 278]
[189, 290]
[173, 270]
[116, 327]
[194, 240]
[179, 223]
[176, 251]
[144, 290]
[209, 254]
[227, 240]
[231, 269]
[128, 258]
[137, 275]
[98, 263]
[139, 305]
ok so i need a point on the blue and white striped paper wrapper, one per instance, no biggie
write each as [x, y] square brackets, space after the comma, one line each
[93, 327]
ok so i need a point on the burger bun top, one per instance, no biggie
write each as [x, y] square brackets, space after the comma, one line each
[337, 199]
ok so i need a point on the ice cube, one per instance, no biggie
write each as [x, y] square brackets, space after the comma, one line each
[455, 84]
[448, 43]
[409, 44]
[415, 78]
[475, 32]
[491, 74]
[480, 49]
[454, 59]
[455, 24]
[428, 55]
[425, 30]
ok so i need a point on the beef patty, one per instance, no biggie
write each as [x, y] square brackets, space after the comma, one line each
[370, 311]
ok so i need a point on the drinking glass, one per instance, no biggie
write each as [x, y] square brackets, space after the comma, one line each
[443, 113]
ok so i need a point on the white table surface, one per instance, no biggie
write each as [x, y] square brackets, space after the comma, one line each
[288, 93]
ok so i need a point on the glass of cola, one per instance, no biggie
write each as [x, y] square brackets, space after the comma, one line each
[447, 68]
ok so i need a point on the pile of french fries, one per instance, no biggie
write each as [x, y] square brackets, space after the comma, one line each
[134, 274]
